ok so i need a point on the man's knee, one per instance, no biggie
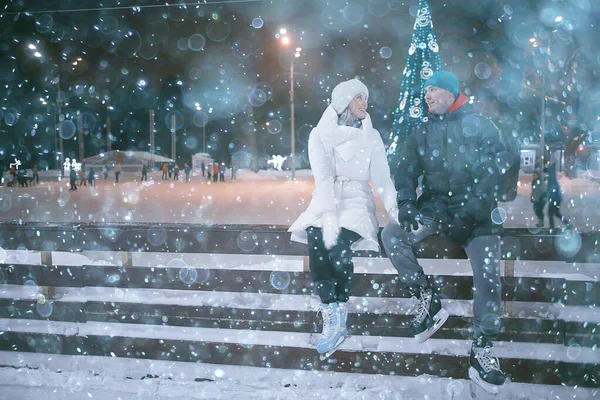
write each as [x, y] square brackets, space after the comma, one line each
[393, 235]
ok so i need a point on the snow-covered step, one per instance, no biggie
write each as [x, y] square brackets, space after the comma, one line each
[540, 363]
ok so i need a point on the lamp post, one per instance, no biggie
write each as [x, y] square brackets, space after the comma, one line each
[58, 141]
[535, 42]
[285, 40]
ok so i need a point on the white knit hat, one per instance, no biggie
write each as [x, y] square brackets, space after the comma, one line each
[343, 94]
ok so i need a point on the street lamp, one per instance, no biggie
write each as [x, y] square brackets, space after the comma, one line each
[36, 53]
[285, 40]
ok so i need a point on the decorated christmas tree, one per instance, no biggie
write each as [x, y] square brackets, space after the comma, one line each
[422, 61]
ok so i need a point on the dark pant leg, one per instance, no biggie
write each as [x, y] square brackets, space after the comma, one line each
[320, 266]
[538, 208]
[484, 255]
[398, 245]
[331, 270]
[553, 211]
[340, 256]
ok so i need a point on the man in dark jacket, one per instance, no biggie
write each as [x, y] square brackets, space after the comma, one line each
[456, 152]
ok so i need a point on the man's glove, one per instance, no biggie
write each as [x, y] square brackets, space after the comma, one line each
[331, 229]
[461, 228]
[408, 216]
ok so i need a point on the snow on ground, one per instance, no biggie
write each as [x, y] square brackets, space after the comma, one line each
[56, 377]
[267, 197]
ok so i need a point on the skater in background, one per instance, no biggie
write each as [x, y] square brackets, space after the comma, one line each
[554, 198]
[459, 193]
[117, 172]
[187, 170]
[215, 171]
[73, 179]
[165, 171]
[345, 153]
[538, 197]
[36, 175]
[222, 172]
[144, 173]
[91, 176]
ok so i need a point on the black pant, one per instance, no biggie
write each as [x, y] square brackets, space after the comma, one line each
[554, 211]
[538, 209]
[144, 176]
[331, 269]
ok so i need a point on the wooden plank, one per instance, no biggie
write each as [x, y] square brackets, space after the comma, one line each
[257, 281]
[362, 362]
[266, 239]
[364, 324]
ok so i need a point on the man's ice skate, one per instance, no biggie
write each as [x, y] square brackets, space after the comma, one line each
[429, 315]
[484, 367]
[334, 329]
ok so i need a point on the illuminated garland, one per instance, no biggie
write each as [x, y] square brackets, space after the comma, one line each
[422, 61]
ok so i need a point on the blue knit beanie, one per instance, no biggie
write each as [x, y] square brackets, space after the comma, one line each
[445, 80]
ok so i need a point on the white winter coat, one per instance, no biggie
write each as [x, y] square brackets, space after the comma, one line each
[343, 161]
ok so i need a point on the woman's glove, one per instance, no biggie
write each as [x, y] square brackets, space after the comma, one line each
[331, 229]
[408, 215]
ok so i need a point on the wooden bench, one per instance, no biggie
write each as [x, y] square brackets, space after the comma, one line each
[371, 328]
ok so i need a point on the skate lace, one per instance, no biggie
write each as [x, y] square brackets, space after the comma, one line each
[327, 313]
[420, 306]
[486, 359]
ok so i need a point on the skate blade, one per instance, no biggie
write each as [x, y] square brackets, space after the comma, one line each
[327, 354]
[488, 387]
[440, 318]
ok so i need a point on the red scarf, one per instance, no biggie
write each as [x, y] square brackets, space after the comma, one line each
[458, 103]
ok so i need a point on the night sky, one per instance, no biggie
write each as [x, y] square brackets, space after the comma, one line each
[218, 66]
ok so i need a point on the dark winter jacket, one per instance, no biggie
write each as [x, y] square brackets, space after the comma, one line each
[554, 195]
[456, 155]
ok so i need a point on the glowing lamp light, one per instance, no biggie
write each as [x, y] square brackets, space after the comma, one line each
[285, 40]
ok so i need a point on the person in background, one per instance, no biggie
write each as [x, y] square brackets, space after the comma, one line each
[233, 171]
[222, 172]
[176, 172]
[208, 174]
[203, 167]
[554, 198]
[165, 171]
[36, 175]
[538, 197]
[455, 152]
[22, 178]
[91, 176]
[144, 173]
[187, 170]
[73, 179]
[105, 171]
[81, 176]
[215, 171]
[345, 154]
[117, 172]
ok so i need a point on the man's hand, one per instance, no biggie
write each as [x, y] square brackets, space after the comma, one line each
[461, 228]
[408, 216]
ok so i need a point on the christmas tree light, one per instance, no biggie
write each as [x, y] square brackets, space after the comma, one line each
[422, 61]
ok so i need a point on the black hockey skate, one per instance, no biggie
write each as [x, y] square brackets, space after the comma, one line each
[429, 315]
[484, 367]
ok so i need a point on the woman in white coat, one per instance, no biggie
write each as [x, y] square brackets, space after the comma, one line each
[345, 154]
